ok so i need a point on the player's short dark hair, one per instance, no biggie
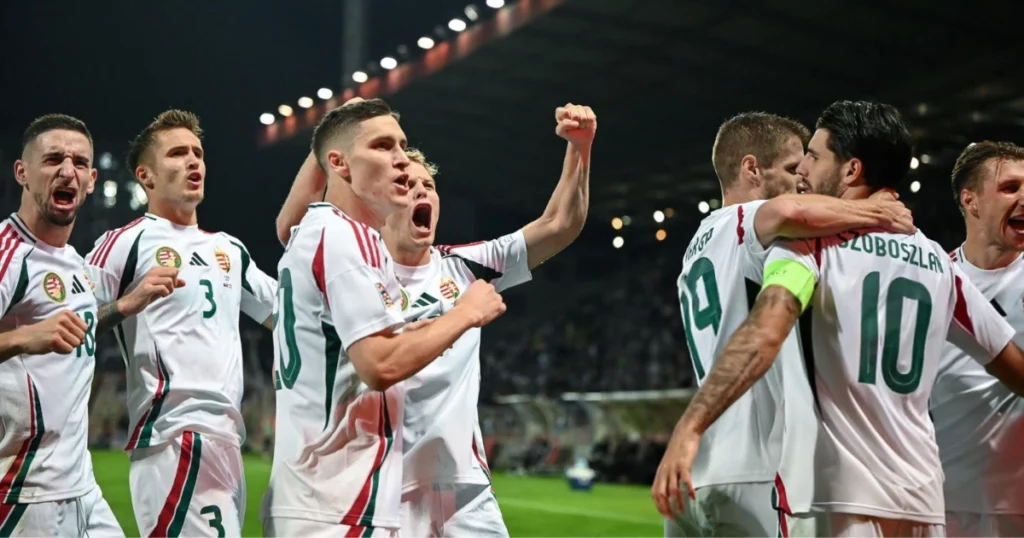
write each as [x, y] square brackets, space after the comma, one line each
[339, 123]
[171, 119]
[972, 165]
[759, 134]
[53, 122]
[874, 133]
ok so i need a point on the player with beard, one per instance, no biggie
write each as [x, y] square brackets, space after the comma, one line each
[764, 487]
[974, 414]
[338, 454]
[883, 305]
[184, 353]
[48, 341]
[446, 481]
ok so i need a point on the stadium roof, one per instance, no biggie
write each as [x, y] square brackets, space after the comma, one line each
[662, 75]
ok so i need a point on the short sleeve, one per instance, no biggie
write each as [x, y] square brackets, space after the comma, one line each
[976, 327]
[106, 264]
[746, 234]
[259, 290]
[361, 305]
[806, 252]
[501, 261]
[13, 275]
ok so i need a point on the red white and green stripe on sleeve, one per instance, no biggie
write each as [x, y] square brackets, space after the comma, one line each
[367, 240]
[102, 253]
[483, 464]
[172, 515]
[362, 511]
[780, 502]
[142, 435]
[9, 241]
[14, 479]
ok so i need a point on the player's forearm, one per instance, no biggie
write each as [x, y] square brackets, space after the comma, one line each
[801, 216]
[1008, 368]
[308, 188]
[566, 212]
[108, 316]
[411, 351]
[748, 355]
[12, 344]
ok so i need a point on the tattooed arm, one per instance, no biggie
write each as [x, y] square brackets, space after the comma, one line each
[108, 316]
[748, 355]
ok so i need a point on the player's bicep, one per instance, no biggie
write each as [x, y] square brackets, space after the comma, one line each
[361, 305]
[790, 268]
[976, 326]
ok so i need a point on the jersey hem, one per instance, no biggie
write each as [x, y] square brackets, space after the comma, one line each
[26, 496]
[766, 476]
[871, 511]
[457, 480]
[326, 517]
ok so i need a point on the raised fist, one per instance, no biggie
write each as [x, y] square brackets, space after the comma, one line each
[576, 123]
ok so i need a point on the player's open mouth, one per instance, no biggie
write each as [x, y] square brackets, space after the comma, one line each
[421, 218]
[1016, 224]
[195, 179]
[803, 187]
[63, 198]
[402, 182]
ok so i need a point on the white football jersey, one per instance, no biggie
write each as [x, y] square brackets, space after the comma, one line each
[338, 447]
[184, 351]
[763, 433]
[44, 399]
[439, 441]
[972, 409]
[883, 307]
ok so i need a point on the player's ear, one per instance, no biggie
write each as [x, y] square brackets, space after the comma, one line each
[969, 201]
[144, 177]
[852, 171]
[90, 184]
[19, 172]
[749, 172]
[338, 162]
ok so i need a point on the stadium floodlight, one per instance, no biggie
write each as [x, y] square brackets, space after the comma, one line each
[914, 163]
[915, 186]
[618, 242]
[617, 223]
[109, 188]
[457, 25]
[659, 216]
[266, 118]
[471, 12]
[660, 235]
[703, 207]
[425, 43]
[360, 77]
[305, 102]
[495, 4]
[285, 110]
[324, 93]
[388, 63]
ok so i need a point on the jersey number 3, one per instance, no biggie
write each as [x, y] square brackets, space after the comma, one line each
[900, 289]
[291, 361]
[702, 271]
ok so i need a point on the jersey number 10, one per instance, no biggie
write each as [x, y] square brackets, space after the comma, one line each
[899, 290]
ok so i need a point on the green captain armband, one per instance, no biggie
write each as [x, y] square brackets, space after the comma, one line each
[793, 276]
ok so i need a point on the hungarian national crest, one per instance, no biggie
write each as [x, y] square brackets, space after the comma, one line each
[54, 287]
[405, 299]
[223, 260]
[167, 257]
[388, 303]
[449, 289]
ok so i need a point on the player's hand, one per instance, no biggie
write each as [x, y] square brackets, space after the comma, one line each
[158, 282]
[482, 303]
[898, 218]
[577, 124]
[674, 472]
[59, 333]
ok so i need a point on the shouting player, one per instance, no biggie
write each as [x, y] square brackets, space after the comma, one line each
[184, 353]
[446, 481]
[755, 156]
[883, 304]
[342, 348]
[974, 414]
[48, 340]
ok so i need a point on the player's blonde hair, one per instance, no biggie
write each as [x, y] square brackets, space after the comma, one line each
[419, 158]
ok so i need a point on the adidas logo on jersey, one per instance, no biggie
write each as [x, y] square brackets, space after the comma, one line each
[196, 260]
[425, 300]
[76, 285]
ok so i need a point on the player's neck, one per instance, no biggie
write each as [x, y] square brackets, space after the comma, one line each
[44, 230]
[986, 254]
[857, 192]
[182, 216]
[411, 257]
[738, 196]
[341, 196]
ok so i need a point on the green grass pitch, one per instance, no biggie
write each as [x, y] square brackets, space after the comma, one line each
[532, 506]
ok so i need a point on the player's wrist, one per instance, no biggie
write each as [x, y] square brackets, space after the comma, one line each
[464, 316]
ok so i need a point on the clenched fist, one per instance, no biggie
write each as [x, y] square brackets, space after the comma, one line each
[577, 124]
[482, 303]
[60, 333]
[158, 282]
